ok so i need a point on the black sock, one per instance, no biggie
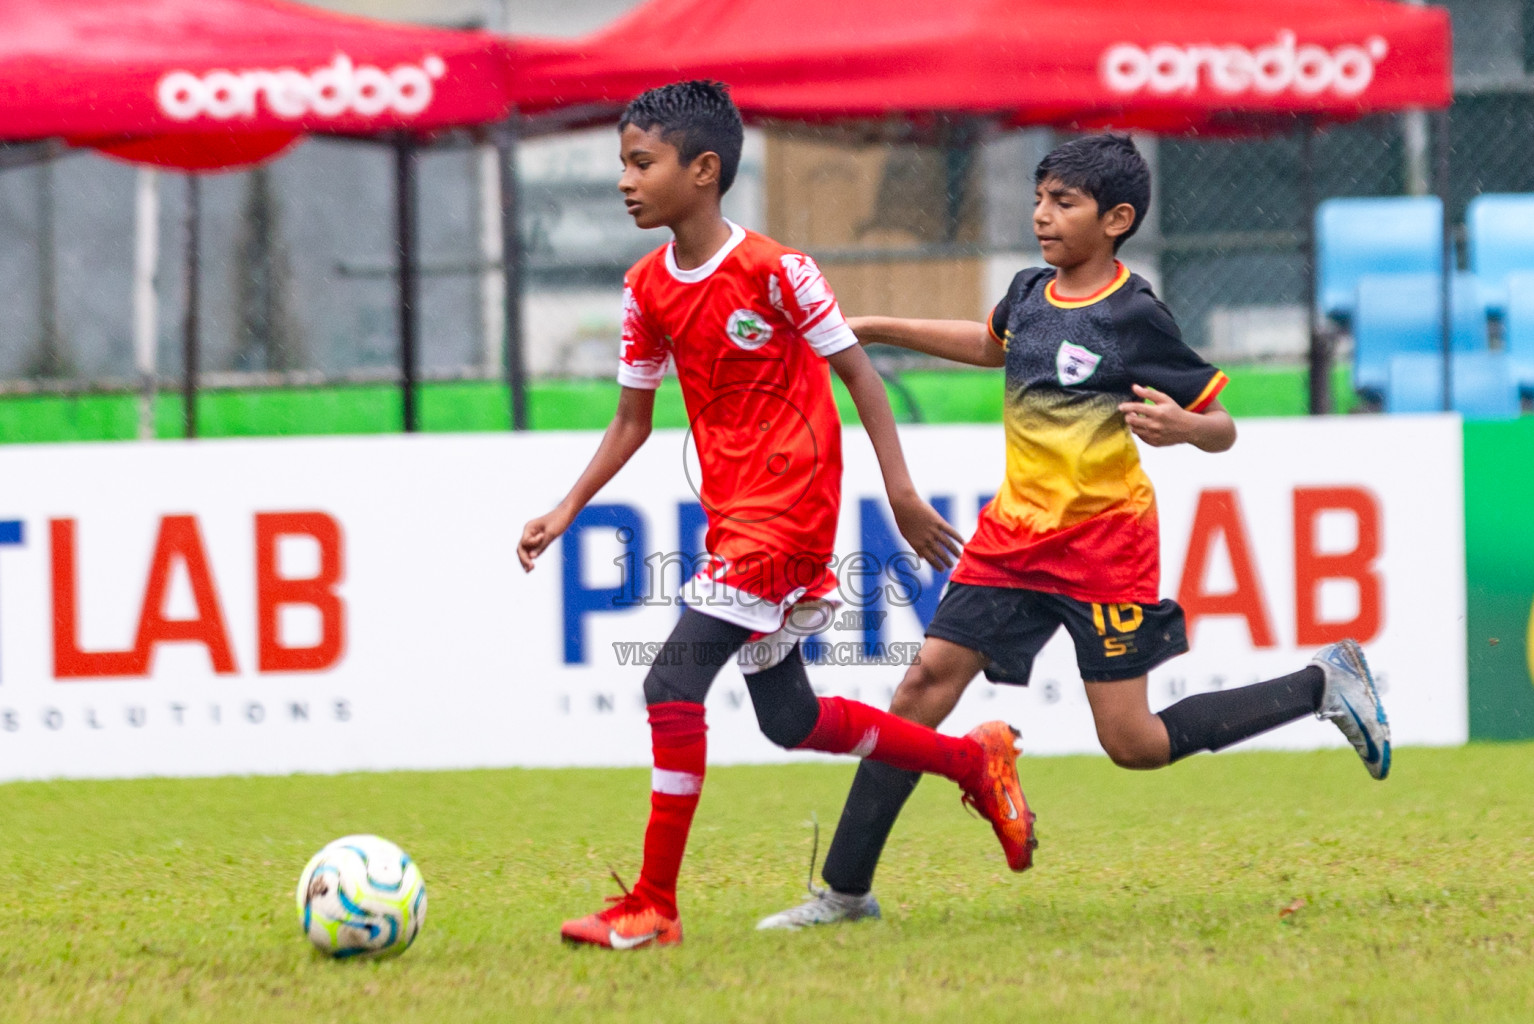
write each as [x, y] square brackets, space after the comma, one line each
[878, 793]
[1212, 721]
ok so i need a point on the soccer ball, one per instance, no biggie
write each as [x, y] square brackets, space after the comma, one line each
[361, 896]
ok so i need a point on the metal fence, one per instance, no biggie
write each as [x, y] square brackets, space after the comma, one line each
[298, 263]
[297, 267]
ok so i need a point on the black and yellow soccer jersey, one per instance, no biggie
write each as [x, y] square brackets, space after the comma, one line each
[1076, 514]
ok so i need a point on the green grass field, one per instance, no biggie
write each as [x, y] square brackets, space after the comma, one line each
[1156, 897]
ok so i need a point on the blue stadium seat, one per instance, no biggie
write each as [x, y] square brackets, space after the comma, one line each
[1483, 388]
[1518, 328]
[1499, 227]
[1398, 313]
[1379, 235]
[1415, 383]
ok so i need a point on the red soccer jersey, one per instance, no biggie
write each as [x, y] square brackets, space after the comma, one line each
[748, 333]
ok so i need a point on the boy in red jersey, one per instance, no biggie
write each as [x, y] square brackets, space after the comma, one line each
[1092, 357]
[751, 326]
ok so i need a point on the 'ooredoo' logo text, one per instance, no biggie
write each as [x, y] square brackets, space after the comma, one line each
[331, 91]
[1282, 66]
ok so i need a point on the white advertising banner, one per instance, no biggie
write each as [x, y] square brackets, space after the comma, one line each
[327, 605]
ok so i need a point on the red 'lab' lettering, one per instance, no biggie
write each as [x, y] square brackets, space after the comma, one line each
[1311, 566]
[179, 539]
[1219, 515]
[69, 661]
[318, 591]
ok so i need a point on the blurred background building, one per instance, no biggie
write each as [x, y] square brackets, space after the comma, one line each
[298, 261]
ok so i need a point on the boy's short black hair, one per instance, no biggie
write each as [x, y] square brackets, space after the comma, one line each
[1106, 167]
[696, 117]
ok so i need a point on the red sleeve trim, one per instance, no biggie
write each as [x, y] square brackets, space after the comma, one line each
[1210, 393]
[990, 327]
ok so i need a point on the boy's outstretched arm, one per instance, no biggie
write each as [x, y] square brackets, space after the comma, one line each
[628, 430]
[962, 341]
[1159, 421]
[928, 533]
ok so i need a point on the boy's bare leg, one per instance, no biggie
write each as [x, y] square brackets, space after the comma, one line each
[1129, 733]
[934, 683]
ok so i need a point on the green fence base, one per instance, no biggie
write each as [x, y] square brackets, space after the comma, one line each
[933, 396]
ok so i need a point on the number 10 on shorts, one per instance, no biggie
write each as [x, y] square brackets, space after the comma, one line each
[1123, 619]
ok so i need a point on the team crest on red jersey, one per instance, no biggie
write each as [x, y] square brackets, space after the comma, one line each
[748, 329]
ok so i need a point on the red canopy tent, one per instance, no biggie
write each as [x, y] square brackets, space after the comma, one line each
[214, 84]
[1188, 65]
[232, 77]
[1183, 66]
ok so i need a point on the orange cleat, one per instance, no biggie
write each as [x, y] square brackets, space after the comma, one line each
[999, 797]
[629, 923]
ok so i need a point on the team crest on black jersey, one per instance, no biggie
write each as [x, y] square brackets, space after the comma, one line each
[1074, 364]
[747, 329]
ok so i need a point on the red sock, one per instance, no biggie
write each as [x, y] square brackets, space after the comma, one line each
[679, 740]
[848, 727]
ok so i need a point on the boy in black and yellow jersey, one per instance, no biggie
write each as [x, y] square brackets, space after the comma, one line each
[1092, 361]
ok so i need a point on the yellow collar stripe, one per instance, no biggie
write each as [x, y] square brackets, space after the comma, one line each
[1113, 286]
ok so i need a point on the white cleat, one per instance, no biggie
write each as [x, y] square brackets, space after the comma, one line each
[823, 907]
[1353, 704]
